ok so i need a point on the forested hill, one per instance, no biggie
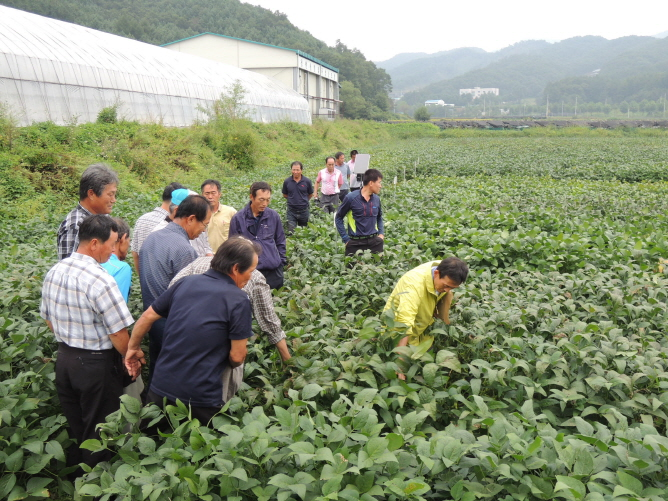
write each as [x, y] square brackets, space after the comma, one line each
[412, 71]
[161, 21]
[613, 69]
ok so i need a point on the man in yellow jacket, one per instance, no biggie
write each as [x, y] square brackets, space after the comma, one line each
[415, 297]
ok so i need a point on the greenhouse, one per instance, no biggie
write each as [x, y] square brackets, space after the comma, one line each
[61, 72]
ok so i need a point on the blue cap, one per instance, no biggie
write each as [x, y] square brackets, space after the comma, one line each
[180, 195]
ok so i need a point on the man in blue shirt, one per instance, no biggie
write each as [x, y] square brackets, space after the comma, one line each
[360, 217]
[116, 266]
[258, 223]
[298, 190]
[341, 165]
[164, 253]
[208, 324]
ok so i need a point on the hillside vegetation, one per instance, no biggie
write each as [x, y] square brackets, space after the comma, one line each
[162, 21]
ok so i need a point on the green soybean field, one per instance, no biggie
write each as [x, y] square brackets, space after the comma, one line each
[551, 382]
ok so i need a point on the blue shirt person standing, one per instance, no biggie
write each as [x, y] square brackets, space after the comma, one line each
[257, 222]
[298, 190]
[359, 219]
[344, 169]
[116, 266]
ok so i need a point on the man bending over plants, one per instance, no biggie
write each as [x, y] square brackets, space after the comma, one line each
[208, 325]
[424, 293]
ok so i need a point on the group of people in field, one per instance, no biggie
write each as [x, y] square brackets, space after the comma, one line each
[205, 270]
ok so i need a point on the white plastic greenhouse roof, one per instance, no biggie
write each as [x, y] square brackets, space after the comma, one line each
[56, 71]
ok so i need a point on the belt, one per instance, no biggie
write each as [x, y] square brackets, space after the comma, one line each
[364, 237]
[83, 351]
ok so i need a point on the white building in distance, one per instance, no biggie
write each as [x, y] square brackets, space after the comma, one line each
[477, 91]
[437, 102]
[314, 79]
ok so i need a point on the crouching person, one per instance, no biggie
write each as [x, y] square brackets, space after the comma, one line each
[208, 325]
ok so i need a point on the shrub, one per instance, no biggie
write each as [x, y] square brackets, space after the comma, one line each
[108, 115]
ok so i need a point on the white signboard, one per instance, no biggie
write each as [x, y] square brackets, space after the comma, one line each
[361, 163]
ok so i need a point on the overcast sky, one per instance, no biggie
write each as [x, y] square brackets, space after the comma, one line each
[383, 29]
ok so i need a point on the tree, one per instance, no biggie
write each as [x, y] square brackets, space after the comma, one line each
[422, 114]
[354, 105]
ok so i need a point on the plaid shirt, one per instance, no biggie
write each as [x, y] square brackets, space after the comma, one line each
[145, 225]
[68, 231]
[164, 254]
[258, 291]
[83, 303]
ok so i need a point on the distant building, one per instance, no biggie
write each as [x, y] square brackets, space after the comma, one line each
[477, 91]
[316, 80]
[437, 102]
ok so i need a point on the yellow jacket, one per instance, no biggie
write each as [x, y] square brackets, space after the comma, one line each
[414, 301]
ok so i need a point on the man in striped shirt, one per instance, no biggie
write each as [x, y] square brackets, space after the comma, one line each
[148, 221]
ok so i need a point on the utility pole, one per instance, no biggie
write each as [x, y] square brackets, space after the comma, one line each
[547, 106]
[576, 106]
[664, 105]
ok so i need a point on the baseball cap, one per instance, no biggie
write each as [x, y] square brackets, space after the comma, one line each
[180, 195]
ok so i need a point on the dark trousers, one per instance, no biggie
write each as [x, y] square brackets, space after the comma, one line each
[203, 414]
[297, 217]
[155, 335]
[273, 277]
[342, 194]
[89, 385]
[374, 244]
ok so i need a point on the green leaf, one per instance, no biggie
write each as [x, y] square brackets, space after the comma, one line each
[324, 454]
[332, 485]
[92, 445]
[55, 449]
[281, 480]
[349, 494]
[376, 446]
[422, 348]
[90, 490]
[429, 372]
[7, 483]
[302, 448]
[36, 486]
[573, 485]
[34, 447]
[284, 417]
[239, 473]
[630, 482]
[366, 481]
[17, 493]
[131, 404]
[146, 445]
[395, 441]
[311, 390]
[35, 464]
[535, 445]
[15, 460]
